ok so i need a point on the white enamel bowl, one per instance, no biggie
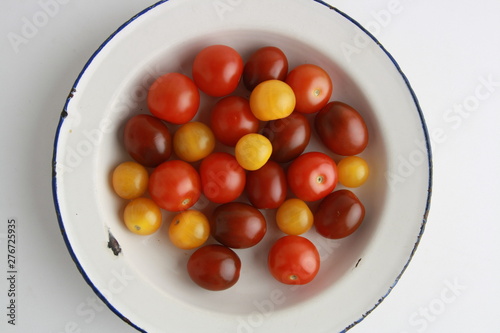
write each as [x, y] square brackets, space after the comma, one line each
[146, 283]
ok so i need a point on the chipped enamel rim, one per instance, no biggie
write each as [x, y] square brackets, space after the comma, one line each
[108, 287]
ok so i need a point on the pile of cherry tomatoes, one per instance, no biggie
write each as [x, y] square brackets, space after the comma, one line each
[265, 165]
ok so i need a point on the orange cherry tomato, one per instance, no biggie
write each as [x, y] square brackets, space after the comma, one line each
[252, 151]
[294, 217]
[130, 180]
[189, 229]
[193, 141]
[142, 216]
[272, 99]
[353, 171]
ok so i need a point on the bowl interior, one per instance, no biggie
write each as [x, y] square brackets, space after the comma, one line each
[161, 264]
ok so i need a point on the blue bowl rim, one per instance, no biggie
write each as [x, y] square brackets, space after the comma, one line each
[131, 20]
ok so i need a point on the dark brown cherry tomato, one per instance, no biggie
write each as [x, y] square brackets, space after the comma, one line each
[312, 176]
[214, 267]
[294, 260]
[342, 129]
[339, 215]
[147, 140]
[266, 187]
[267, 63]
[238, 225]
[222, 178]
[289, 136]
[231, 118]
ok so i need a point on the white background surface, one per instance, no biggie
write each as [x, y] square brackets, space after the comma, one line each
[449, 50]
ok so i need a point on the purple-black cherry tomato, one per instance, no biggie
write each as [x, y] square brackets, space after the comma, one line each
[238, 225]
[266, 187]
[342, 129]
[267, 63]
[289, 136]
[339, 215]
[214, 267]
[147, 140]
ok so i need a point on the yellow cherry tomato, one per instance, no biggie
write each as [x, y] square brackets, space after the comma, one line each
[189, 229]
[252, 151]
[294, 217]
[142, 216]
[130, 180]
[193, 141]
[353, 171]
[272, 99]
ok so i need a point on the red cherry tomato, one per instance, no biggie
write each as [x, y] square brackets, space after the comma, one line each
[293, 260]
[266, 187]
[175, 185]
[147, 140]
[339, 215]
[312, 87]
[214, 267]
[231, 118]
[217, 70]
[238, 225]
[342, 129]
[312, 176]
[174, 97]
[222, 178]
[267, 63]
[289, 136]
